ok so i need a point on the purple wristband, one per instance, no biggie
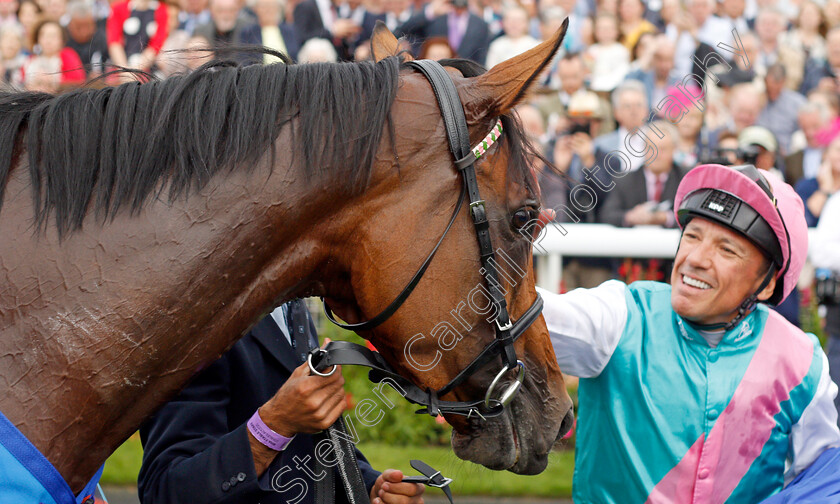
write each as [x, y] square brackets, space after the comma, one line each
[265, 434]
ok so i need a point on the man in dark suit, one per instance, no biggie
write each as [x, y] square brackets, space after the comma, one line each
[340, 23]
[467, 33]
[201, 447]
[646, 196]
[805, 163]
[270, 31]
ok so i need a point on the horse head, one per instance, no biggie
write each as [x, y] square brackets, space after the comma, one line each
[449, 319]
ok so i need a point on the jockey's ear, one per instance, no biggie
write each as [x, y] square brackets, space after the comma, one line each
[383, 43]
[506, 84]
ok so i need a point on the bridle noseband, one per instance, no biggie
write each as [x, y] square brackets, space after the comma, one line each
[507, 331]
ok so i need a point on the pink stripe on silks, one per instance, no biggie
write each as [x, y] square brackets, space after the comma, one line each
[779, 364]
[673, 488]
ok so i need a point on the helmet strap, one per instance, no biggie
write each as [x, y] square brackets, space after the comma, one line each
[748, 304]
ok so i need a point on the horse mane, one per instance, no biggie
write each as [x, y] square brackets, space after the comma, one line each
[115, 147]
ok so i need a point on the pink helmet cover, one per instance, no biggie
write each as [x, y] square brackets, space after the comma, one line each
[793, 242]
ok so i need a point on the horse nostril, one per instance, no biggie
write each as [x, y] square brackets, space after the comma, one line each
[567, 424]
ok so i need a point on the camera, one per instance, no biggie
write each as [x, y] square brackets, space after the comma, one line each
[743, 155]
[576, 127]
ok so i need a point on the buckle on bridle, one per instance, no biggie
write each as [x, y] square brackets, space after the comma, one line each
[476, 204]
[507, 395]
[320, 351]
[506, 327]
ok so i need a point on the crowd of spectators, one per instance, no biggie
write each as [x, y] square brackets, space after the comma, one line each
[693, 81]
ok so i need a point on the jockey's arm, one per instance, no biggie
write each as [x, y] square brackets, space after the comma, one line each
[585, 326]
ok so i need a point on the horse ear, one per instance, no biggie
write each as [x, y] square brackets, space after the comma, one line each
[383, 43]
[506, 84]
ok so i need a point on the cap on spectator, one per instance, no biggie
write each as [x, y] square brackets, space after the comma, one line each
[585, 104]
[758, 135]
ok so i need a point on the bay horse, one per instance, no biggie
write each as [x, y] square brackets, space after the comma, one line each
[146, 227]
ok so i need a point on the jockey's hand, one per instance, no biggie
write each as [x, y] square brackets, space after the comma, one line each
[389, 489]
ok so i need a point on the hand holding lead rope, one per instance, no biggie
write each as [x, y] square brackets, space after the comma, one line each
[431, 477]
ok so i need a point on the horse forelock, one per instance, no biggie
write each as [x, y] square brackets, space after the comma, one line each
[107, 149]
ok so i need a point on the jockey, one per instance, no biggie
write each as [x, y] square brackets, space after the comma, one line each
[694, 391]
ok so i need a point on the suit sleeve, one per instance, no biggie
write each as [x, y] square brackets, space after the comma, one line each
[189, 454]
[308, 24]
[415, 26]
[613, 210]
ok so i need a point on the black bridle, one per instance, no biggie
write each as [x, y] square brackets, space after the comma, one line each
[507, 331]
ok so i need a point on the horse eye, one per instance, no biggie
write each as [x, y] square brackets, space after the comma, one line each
[521, 218]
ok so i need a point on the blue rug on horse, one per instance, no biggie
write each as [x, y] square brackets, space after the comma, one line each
[819, 484]
[27, 477]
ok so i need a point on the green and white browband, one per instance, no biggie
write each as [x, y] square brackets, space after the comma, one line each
[489, 140]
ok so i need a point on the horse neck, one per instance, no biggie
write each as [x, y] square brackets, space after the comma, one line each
[120, 316]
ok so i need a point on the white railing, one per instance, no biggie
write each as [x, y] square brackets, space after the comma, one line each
[599, 240]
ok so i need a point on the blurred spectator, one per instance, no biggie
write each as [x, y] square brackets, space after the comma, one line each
[467, 33]
[492, 12]
[55, 10]
[533, 124]
[271, 31]
[779, 114]
[824, 252]
[658, 77]
[696, 33]
[171, 58]
[824, 73]
[645, 197]
[436, 48]
[745, 105]
[630, 108]
[396, 13]
[579, 14]
[632, 22]
[330, 20]
[29, 15]
[831, 9]
[641, 55]
[317, 50]
[815, 191]
[570, 74]
[574, 149]
[12, 58]
[516, 39]
[758, 146]
[54, 66]
[769, 25]
[84, 37]
[193, 14]
[808, 35]
[694, 142]
[805, 162]
[198, 51]
[227, 21]
[727, 148]
[608, 59]
[137, 30]
[732, 13]
[8, 13]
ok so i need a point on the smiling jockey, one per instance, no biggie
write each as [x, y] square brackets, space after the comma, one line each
[692, 392]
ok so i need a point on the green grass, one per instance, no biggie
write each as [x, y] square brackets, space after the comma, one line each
[470, 479]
